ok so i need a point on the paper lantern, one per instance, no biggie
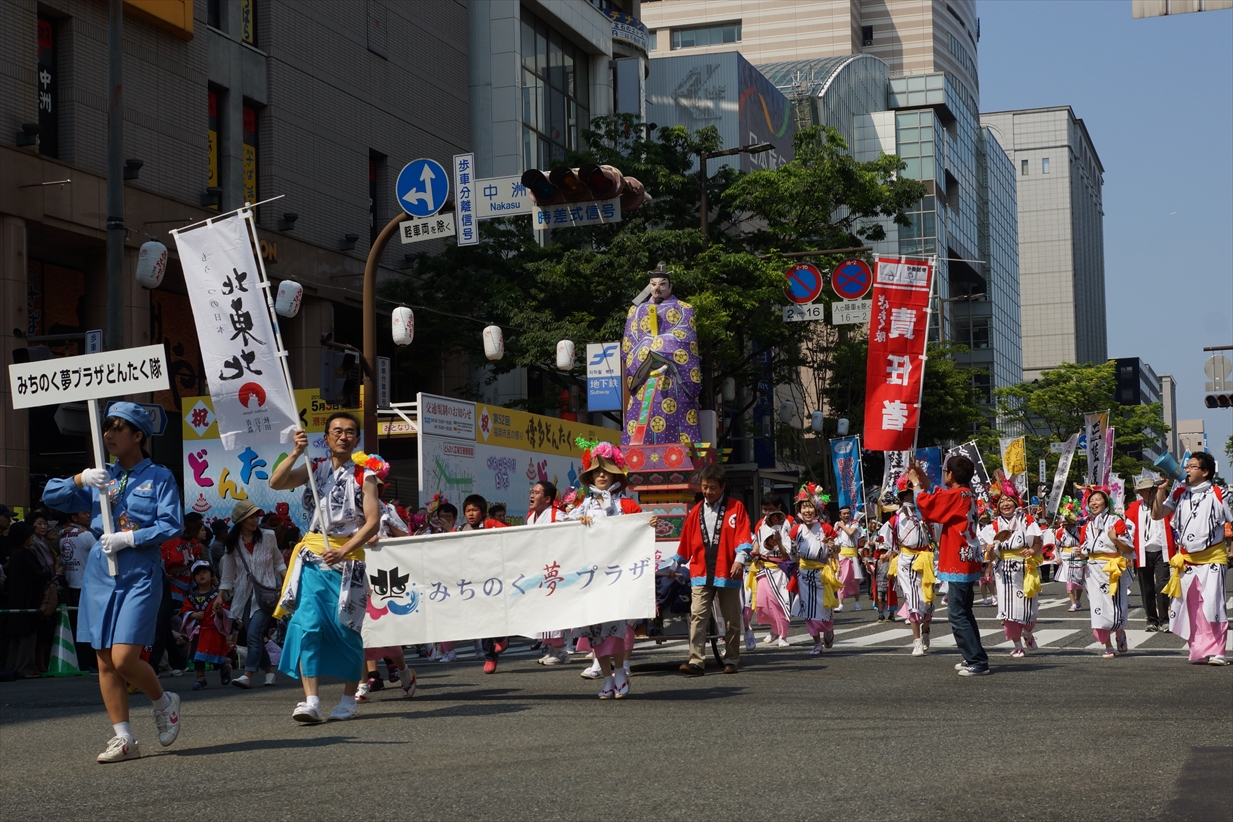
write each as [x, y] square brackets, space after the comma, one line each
[843, 426]
[728, 391]
[151, 264]
[786, 409]
[565, 355]
[815, 422]
[403, 325]
[494, 343]
[290, 295]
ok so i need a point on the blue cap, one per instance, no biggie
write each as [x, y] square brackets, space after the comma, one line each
[135, 414]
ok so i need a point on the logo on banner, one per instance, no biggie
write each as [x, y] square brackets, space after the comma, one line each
[391, 588]
[199, 418]
[251, 391]
[485, 423]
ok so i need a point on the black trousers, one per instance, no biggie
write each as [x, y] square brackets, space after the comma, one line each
[1153, 577]
[177, 658]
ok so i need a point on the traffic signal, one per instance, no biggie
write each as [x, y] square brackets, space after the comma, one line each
[1218, 399]
[340, 378]
[590, 182]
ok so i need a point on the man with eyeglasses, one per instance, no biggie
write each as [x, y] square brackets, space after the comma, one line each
[326, 588]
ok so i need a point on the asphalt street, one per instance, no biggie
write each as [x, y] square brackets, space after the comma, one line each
[865, 732]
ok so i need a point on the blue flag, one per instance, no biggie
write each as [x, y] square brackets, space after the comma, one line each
[846, 460]
[931, 460]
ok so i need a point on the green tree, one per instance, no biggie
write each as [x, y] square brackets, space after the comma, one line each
[1051, 408]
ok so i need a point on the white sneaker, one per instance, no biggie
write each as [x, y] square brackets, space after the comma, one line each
[177, 672]
[751, 641]
[917, 648]
[768, 639]
[361, 693]
[959, 666]
[269, 678]
[839, 608]
[782, 643]
[308, 714]
[119, 749]
[858, 606]
[343, 710]
[242, 681]
[168, 721]
[450, 657]
[593, 672]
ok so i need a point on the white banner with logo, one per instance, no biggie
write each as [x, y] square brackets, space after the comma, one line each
[238, 348]
[1059, 476]
[515, 581]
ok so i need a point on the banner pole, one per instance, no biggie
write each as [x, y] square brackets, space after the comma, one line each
[924, 357]
[246, 214]
[104, 498]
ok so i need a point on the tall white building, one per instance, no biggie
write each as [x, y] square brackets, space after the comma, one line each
[1061, 235]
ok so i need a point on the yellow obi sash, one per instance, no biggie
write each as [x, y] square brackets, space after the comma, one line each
[1031, 577]
[829, 577]
[1115, 565]
[848, 552]
[1217, 554]
[316, 543]
[923, 565]
[751, 579]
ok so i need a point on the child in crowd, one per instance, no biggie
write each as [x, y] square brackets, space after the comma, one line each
[206, 630]
[1072, 566]
[817, 580]
[475, 514]
[848, 537]
[884, 590]
[766, 584]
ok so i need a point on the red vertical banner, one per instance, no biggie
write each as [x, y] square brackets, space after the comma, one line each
[898, 332]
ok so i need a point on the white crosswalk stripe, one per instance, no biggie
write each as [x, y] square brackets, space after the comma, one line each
[1133, 639]
[1045, 637]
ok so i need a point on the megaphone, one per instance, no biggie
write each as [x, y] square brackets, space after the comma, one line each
[1166, 464]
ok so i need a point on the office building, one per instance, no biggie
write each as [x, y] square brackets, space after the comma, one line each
[1137, 384]
[1168, 399]
[225, 101]
[899, 77]
[1161, 8]
[1061, 236]
[1191, 437]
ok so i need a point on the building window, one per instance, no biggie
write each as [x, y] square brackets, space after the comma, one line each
[555, 93]
[213, 128]
[1023, 168]
[250, 154]
[655, 41]
[867, 35]
[248, 21]
[214, 14]
[49, 105]
[1044, 165]
[706, 36]
[982, 385]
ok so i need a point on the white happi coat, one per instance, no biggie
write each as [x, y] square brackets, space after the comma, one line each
[1009, 566]
[1108, 611]
[1199, 515]
[811, 542]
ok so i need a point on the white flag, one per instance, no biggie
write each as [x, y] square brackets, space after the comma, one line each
[251, 399]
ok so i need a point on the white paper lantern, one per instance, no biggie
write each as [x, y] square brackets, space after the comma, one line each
[151, 264]
[728, 390]
[494, 343]
[843, 426]
[786, 409]
[290, 295]
[565, 355]
[403, 325]
[815, 422]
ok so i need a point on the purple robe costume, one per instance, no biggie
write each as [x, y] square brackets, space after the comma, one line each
[663, 374]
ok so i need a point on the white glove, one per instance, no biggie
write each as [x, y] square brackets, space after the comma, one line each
[116, 542]
[96, 477]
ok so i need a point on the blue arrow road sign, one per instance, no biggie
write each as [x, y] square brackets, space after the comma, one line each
[422, 187]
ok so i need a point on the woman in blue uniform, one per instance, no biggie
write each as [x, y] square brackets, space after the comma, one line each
[119, 613]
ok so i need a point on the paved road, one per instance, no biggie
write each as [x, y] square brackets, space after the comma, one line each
[866, 732]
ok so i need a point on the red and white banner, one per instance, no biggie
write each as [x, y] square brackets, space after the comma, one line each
[898, 332]
[251, 399]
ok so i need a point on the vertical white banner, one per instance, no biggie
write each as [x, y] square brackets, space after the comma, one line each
[1094, 433]
[1059, 476]
[238, 348]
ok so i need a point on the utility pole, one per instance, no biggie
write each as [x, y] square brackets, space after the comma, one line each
[114, 334]
[369, 369]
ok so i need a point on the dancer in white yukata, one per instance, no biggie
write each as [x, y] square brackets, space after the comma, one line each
[1013, 543]
[817, 581]
[1107, 594]
[908, 536]
[1196, 585]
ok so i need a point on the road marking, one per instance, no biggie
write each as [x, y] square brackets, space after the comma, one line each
[875, 638]
[948, 640]
[1133, 639]
[1044, 638]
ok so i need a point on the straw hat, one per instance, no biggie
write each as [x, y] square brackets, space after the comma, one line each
[601, 456]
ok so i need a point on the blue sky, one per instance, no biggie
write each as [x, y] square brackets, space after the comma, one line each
[1157, 98]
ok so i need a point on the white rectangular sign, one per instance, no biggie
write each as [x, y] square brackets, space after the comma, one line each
[571, 215]
[901, 273]
[804, 313]
[445, 417]
[464, 202]
[851, 312]
[238, 348]
[515, 581]
[427, 228]
[89, 376]
[501, 197]
[604, 376]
